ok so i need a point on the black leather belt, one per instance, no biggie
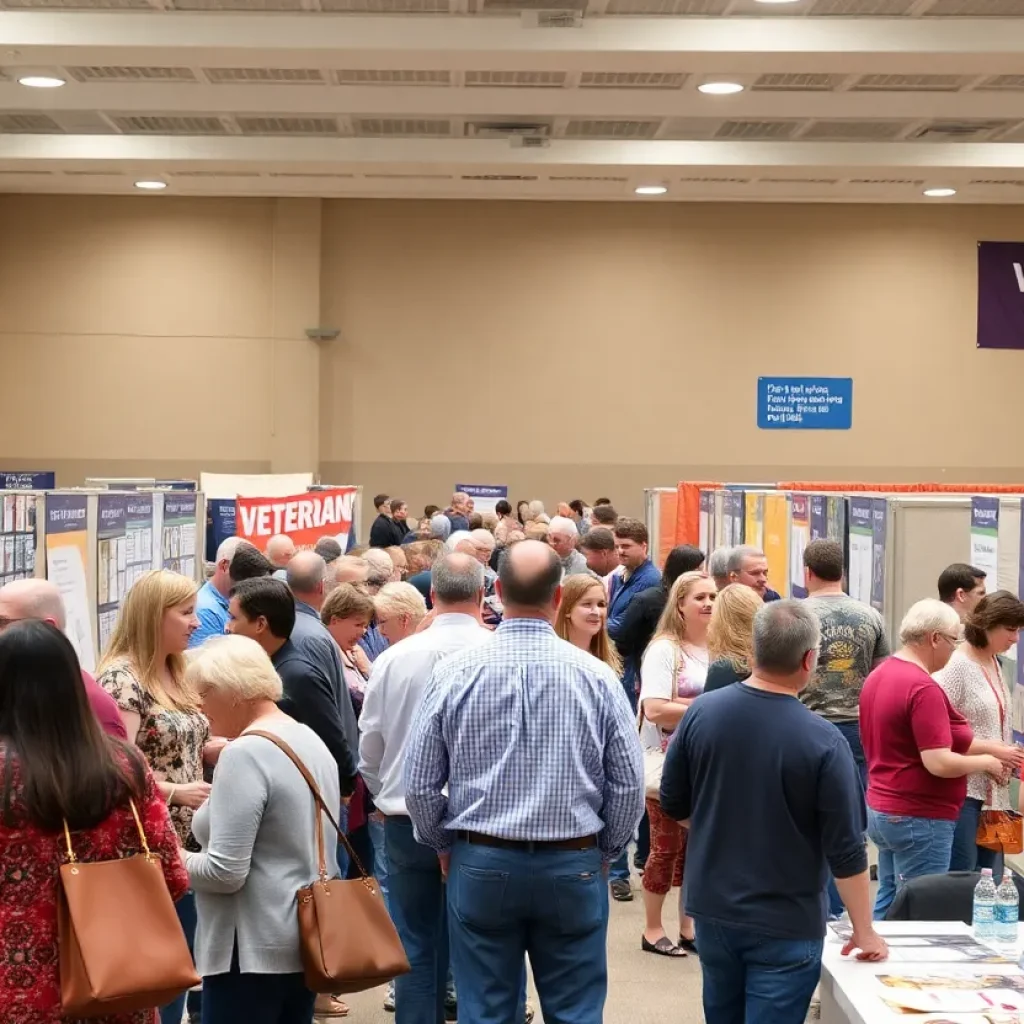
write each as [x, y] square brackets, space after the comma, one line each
[479, 839]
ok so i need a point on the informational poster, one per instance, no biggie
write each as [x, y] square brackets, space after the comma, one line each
[804, 403]
[733, 517]
[753, 521]
[861, 548]
[879, 529]
[485, 496]
[67, 554]
[15, 481]
[1001, 295]
[985, 538]
[835, 505]
[799, 538]
[111, 561]
[221, 516]
[707, 512]
[17, 537]
[818, 517]
[303, 517]
[776, 541]
[138, 538]
[178, 533]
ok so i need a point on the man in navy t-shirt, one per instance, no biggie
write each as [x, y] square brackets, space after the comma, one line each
[774, 803]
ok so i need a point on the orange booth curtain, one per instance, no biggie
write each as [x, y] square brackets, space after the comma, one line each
[688, 511]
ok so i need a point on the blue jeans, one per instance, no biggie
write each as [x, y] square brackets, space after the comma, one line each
[907, 848]
[417, 904]
[256, 998]
[967, 854]
[751, 978]
[551, 905]
[851, 733]
[380, 857]
[186, 908]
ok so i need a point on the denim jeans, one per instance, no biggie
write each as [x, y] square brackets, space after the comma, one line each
[417, 903]
[751, 978]
[256, 998]
[186, 908]
[380, 857]
[907, 848]
[851, 733]
[967, 854]
[551, 905]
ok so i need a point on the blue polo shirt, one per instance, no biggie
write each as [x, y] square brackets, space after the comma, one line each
[212, 612]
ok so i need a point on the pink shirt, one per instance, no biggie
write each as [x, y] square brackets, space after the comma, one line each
[104, 707]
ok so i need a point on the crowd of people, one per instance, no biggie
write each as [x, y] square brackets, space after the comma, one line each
[515, 714]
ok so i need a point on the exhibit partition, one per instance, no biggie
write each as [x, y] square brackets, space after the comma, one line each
[660, 504]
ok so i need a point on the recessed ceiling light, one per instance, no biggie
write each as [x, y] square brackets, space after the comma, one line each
[651, 190]
[939, 193]
[42, 81]
[151, 186]
[776, 1]
[719, 88]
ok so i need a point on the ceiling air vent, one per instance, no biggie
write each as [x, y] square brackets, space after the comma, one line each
[1008, 182]
[264, 76]
[945, 131]
[715, 181]
[387, 76]
[237, 5]
[1003, 83]
[910, 83]
[756, 130]
[78, 5]
[588, 177]
[555, 18]
[607, 129]
[499, 177]
[632, 80]
[385, 6]
[976, 9]
[130, 74]
[402, 127]
[28, 124]
[167, 124]
[779, 82]
[287, 125]
[507, 130]
[862, 8]
[515, 79]
[887, 181]
[674, 8]
[854, 131]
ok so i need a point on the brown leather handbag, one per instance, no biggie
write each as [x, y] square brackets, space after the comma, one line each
[120, 943]
[999, 830]
[348, 942]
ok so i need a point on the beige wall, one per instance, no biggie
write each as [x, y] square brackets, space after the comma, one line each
[563, 349]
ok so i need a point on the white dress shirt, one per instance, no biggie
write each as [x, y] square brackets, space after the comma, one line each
[393, 696]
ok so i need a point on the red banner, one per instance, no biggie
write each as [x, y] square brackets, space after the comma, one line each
[303, 517]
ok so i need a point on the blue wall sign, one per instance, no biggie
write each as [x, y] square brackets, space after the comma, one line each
[804, 403]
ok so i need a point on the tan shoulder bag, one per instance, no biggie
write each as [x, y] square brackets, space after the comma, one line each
[120, 943]
[348, 941]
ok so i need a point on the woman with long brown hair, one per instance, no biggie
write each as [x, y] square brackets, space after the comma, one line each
[56, 766]
[731, 636]
[672, 677]
[583, 619]
[143, 669]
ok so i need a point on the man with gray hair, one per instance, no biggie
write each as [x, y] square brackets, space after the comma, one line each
[212, 599]
[748, 566]
[718, 567]
[769, 817]
[393, 696]
[563, 537]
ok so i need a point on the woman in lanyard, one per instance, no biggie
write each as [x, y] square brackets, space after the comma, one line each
[973, 681]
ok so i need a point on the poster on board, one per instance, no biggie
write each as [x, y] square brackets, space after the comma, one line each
[485, 496]
[799, 538]
[15, 481]
[985, 538]
[776, 541]
[17, 537]
[879, 527]
[739, 516]
[67, 540]
[178, 533]
[111, 561]
[138, 538]
[303, 517]
[707, 507]
[818, 517]
[861, 549]
[753, 520]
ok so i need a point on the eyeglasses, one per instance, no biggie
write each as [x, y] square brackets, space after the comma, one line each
[954, 641]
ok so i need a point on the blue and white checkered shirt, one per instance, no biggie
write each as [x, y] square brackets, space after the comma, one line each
[535, 740]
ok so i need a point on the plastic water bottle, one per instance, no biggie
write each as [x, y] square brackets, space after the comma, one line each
[1007, 910]
[985, 906]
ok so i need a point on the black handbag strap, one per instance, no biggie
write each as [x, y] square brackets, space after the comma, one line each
[317, 796]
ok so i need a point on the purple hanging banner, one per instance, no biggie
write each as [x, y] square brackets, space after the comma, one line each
[1001, 295]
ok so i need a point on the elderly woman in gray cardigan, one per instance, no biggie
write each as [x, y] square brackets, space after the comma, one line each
[258, 842]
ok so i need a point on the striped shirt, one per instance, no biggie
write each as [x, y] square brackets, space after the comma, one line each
[534, 739]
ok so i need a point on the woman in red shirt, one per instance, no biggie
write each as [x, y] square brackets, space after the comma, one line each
[919, 752]
[55, 766]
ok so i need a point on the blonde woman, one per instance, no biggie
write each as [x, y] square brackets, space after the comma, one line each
[399, 608]
[583, 618]
[731, 637]
[672, 677]
[143, 669]
[256, 836]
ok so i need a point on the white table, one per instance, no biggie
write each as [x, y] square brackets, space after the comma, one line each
[848, 993]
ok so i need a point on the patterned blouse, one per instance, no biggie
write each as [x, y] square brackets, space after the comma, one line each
[980, 696]
[171, 741]
[29, 863]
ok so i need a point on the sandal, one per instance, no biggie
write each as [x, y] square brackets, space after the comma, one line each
[330, 1006]
[663, 947]
[690, 945]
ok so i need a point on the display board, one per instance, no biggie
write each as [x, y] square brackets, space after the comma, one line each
[753, 519]
[485, 496]
[66, 534]
[707, 513]
[985, 538]
[799, 538]
[111, 562]
[734, 517]
[15, 480]
[179, 532]
[17, 537]
[861, 536]
[303, 517]
[660, 506]
[775, 541]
